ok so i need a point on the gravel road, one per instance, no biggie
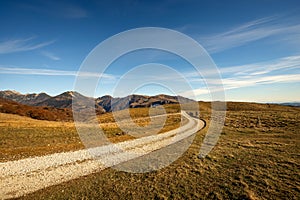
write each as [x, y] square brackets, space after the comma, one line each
[31, 174]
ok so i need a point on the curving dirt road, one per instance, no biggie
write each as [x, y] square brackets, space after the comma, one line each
[31, 174]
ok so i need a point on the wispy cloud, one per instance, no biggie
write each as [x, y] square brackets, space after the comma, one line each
[17, 45]
[50, 55]
[281, 65]
[283, 70]
[234, 83]
[249, 32]
[50, 72]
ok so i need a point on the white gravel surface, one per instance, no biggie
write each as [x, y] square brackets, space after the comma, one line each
[31, 174]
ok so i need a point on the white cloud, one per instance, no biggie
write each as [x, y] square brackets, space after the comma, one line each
[283, 70]
[249, 32]
[50, 72]
[50, 55]
[234, 83]
[17, 45]
[281, 65]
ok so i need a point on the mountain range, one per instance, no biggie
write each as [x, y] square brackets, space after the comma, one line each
[59, 108]
[102, 104]
[295, 104]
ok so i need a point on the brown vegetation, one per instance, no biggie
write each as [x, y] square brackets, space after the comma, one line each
[257, 157]
[36, 112]
[21, 137]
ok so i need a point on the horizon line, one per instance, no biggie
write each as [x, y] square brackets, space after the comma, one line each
[227, 101]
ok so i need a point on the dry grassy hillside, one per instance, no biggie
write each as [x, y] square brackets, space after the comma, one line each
[35, 112]
[21, 137]
[257, 157]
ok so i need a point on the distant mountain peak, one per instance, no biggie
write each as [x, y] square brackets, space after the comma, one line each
[72, 93]
[11, 92]
[67, 93]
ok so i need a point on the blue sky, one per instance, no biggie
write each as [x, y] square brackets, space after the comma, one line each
[255, 44]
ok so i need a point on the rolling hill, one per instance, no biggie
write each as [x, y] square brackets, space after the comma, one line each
[36, 112]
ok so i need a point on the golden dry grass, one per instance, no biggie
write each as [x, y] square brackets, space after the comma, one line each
[21, 137]
[257, 157]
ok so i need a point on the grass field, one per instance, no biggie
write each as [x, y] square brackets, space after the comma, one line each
[257, 157]
[21, 137]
